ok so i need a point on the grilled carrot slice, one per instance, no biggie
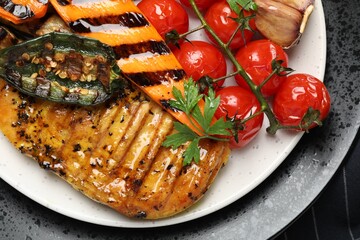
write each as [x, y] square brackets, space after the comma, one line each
[142, 54]
[19, 11]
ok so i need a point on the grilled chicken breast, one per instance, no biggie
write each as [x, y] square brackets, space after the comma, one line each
[112, 152]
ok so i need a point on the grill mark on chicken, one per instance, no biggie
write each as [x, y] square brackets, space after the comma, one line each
[118, 123]
[135, 163]
[153, 197]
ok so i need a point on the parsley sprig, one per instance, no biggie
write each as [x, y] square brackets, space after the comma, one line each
[203, 121]
[237, 5]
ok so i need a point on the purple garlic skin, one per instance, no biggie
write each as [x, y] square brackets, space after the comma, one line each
[283, 21]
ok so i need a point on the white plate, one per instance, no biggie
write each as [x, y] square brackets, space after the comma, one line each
[246, 168]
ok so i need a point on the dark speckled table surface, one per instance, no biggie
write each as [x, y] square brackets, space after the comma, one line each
[22, 218]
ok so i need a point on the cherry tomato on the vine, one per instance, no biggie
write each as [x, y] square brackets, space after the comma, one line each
[256, 57]
[220, 18]
[239, 102]
[201, 4]
[199, 59]
[165, 15]
[296, 95]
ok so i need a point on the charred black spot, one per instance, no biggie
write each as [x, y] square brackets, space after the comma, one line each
[141, 215]
[154, 47]
[76, 147]
[3, 33]
[48, 149]
[21, 133]
[103, 74]
[166, 105]
[23, 116]
[18, 10]
[184, 169]
[136, 185]
[62, 173]
[137, 97]
[193, 198]
[13, 76]
[22, 105]
[129, 20]
[156, 78]
[74, 65]
[169, 166]
[45, 164]
[64, 2]
[133, 19]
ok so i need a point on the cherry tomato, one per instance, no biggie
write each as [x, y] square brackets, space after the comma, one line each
[296, 95]
[199, 59]
[239, 102]
[165, 15]
[201, 4]
[219, 17]
[256, 58]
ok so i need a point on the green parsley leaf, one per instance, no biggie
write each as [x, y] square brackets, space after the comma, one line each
[211, 104]
[199, 117]
[183, 135]
[192, 152]
[188, 103]
[179, 103]
[236, 5]
[192, 95]
[220, 127]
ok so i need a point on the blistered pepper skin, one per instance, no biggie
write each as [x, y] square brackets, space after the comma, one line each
[63, 68]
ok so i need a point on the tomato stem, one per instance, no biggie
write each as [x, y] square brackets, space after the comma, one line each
[227, 76]
[233, 36]
[251, 116]
[267, 79]
[183, 35]
[274, 123]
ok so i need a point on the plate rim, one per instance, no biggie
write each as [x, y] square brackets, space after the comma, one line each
[72, 215]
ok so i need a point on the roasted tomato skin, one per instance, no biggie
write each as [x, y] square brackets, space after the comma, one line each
[199, 59]
[219, 17]
[239, 102]
[256, 58]
[165, 15]
[296, 95]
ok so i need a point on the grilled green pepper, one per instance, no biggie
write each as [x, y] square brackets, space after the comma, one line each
[62, 67]
[7, 39]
